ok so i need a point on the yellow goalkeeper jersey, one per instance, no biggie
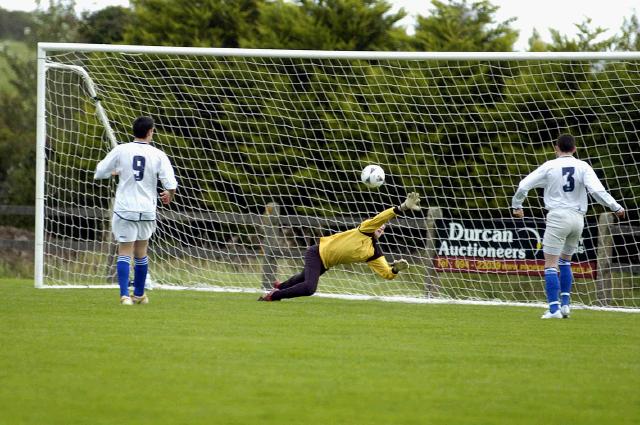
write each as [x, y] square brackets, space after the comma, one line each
[358, 245]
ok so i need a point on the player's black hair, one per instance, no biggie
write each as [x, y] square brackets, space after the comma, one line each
[141, 127]
[566, 143]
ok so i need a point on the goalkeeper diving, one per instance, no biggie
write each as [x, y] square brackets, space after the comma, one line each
[352, 246]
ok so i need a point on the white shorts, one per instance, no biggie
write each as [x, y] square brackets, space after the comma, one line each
[131, 231]
[563, 232]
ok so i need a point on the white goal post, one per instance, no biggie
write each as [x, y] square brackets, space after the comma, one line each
[268, 146]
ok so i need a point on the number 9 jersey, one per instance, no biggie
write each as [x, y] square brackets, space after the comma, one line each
[566, 181]
[139, 166]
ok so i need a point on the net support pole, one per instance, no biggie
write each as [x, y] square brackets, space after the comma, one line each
[270, 244]
[91, 88]
[430, 277]
[605, 252]
[40, 169]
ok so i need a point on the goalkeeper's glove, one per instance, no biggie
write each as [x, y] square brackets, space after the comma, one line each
[412, 203]
[399, 265]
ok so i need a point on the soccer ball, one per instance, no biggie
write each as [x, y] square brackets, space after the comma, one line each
[372, 176]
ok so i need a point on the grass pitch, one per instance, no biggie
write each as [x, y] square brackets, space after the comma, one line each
[77, 357]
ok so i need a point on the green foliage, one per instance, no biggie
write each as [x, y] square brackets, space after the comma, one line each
[17, 131]
[629, 38]
[57, 23]
[17, 50]
[350, 24]
[295, 128]
[587, 39]
[323, 24]
[105, 26]
[206, 23]
[457, 26]
[300, 136]
[15, 25]
[282, 24]
[585, 98]
[536, 43]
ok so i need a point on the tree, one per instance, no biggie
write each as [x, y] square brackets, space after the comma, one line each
[205, 23]
[458, 26]
[629, 39]
[105, 26]
[285, 25]
[352, 24]
[536, 44]
[18, 133]
[302, 24]
[57, 23]
[15, 25]
[588, 39]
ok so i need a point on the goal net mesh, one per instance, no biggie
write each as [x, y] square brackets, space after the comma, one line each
[268, 153]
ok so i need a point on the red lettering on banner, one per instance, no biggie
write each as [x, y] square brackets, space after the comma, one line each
[584, 269]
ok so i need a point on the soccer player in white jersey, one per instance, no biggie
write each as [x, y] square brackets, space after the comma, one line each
[139, 166]
[566, 181]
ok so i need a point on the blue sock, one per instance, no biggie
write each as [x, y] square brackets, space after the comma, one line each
[123, 266]
[552, 286]
[566, 279]
[140, 267]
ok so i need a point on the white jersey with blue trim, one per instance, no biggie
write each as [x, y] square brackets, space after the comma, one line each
[139, 167]
[566, 181]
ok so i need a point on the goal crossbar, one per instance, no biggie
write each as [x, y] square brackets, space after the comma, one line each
[342, 54]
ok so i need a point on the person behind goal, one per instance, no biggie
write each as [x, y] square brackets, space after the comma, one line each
[139, 166]
[353, 246]
[566, 181]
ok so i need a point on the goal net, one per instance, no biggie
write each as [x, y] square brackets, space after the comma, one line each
[268, 147]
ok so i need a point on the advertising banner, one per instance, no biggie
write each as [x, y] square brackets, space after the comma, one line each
[512, 246]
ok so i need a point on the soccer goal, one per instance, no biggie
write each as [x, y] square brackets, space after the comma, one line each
[268, 146]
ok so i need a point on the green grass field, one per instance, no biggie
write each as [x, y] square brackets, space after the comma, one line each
[77, 357]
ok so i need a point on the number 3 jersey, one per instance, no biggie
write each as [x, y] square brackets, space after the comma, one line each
[566, 181]
[139, 166]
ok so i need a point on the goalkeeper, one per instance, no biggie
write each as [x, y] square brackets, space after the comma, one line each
[353, 246]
